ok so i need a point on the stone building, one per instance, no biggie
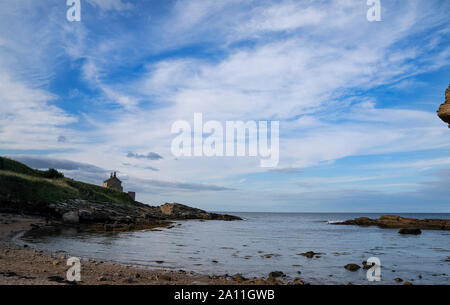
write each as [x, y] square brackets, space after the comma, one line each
[113, 183]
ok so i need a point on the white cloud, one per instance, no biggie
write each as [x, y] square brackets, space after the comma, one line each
[420, 164]
[111, 5]
[299, 62]
[28, 120]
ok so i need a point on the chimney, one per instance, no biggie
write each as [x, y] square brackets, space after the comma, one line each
[110, 175]
[114, 174]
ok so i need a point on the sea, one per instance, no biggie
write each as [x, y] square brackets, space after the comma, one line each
[266, 242]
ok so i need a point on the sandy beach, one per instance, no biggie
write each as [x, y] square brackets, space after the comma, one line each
[23, 265]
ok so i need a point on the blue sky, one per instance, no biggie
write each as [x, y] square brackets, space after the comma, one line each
[356, 100]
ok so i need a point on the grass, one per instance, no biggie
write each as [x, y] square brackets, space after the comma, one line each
[20, 183]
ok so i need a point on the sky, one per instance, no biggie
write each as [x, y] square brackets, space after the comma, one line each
[356, 100]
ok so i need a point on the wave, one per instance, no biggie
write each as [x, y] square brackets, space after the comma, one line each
[334, 221]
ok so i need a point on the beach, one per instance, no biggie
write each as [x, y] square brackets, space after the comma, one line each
[23, 265]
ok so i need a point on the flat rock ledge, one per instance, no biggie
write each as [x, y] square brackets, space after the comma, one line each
[398, 222]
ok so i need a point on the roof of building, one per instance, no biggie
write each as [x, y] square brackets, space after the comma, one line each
[113, 178]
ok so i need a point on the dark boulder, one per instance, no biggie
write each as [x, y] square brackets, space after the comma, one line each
[275, 274]
[410, 231]
[352, 267]
[309, 254]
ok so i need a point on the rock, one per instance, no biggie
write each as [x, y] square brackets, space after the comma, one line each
[165, 277]
[71, 217]
[366, 265]
[398, 222]
[398, 280]
[444, 109]
[239, 278]
[181, 211]
[276, 274]
[298, 281]
[407, 283]
[410, 231]
[420, 276]
[309, 254]
[102, 278]
[129, 280]
[352, 267]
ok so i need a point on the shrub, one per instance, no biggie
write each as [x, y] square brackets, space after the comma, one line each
[52, 174]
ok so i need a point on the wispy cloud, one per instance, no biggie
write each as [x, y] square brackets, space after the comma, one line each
[286, 170]
[42, 162]
[106, 86]
[161, 186]
[111, 5]
[149, 156]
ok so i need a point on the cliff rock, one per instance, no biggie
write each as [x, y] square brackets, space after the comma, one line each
[444, 109]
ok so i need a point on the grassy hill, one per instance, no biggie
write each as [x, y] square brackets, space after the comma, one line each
[20, 183]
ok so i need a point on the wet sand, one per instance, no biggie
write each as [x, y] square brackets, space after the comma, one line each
[22, 265]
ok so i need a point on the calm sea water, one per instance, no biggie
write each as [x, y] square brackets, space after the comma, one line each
[219, 247]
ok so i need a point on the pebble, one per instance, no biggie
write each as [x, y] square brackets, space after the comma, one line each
[298, 281]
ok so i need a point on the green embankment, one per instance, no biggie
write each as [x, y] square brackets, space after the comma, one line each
[20, 183]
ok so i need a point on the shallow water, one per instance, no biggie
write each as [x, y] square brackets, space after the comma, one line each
[219, 247]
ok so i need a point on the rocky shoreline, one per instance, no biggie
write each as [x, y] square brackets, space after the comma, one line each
[23, 265]
[111, 216]
[65, 201]
[398, 222]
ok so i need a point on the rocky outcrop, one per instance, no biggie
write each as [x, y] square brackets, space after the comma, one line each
[112, 216]
[444, 109]
[180, 211]
[398, 222]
